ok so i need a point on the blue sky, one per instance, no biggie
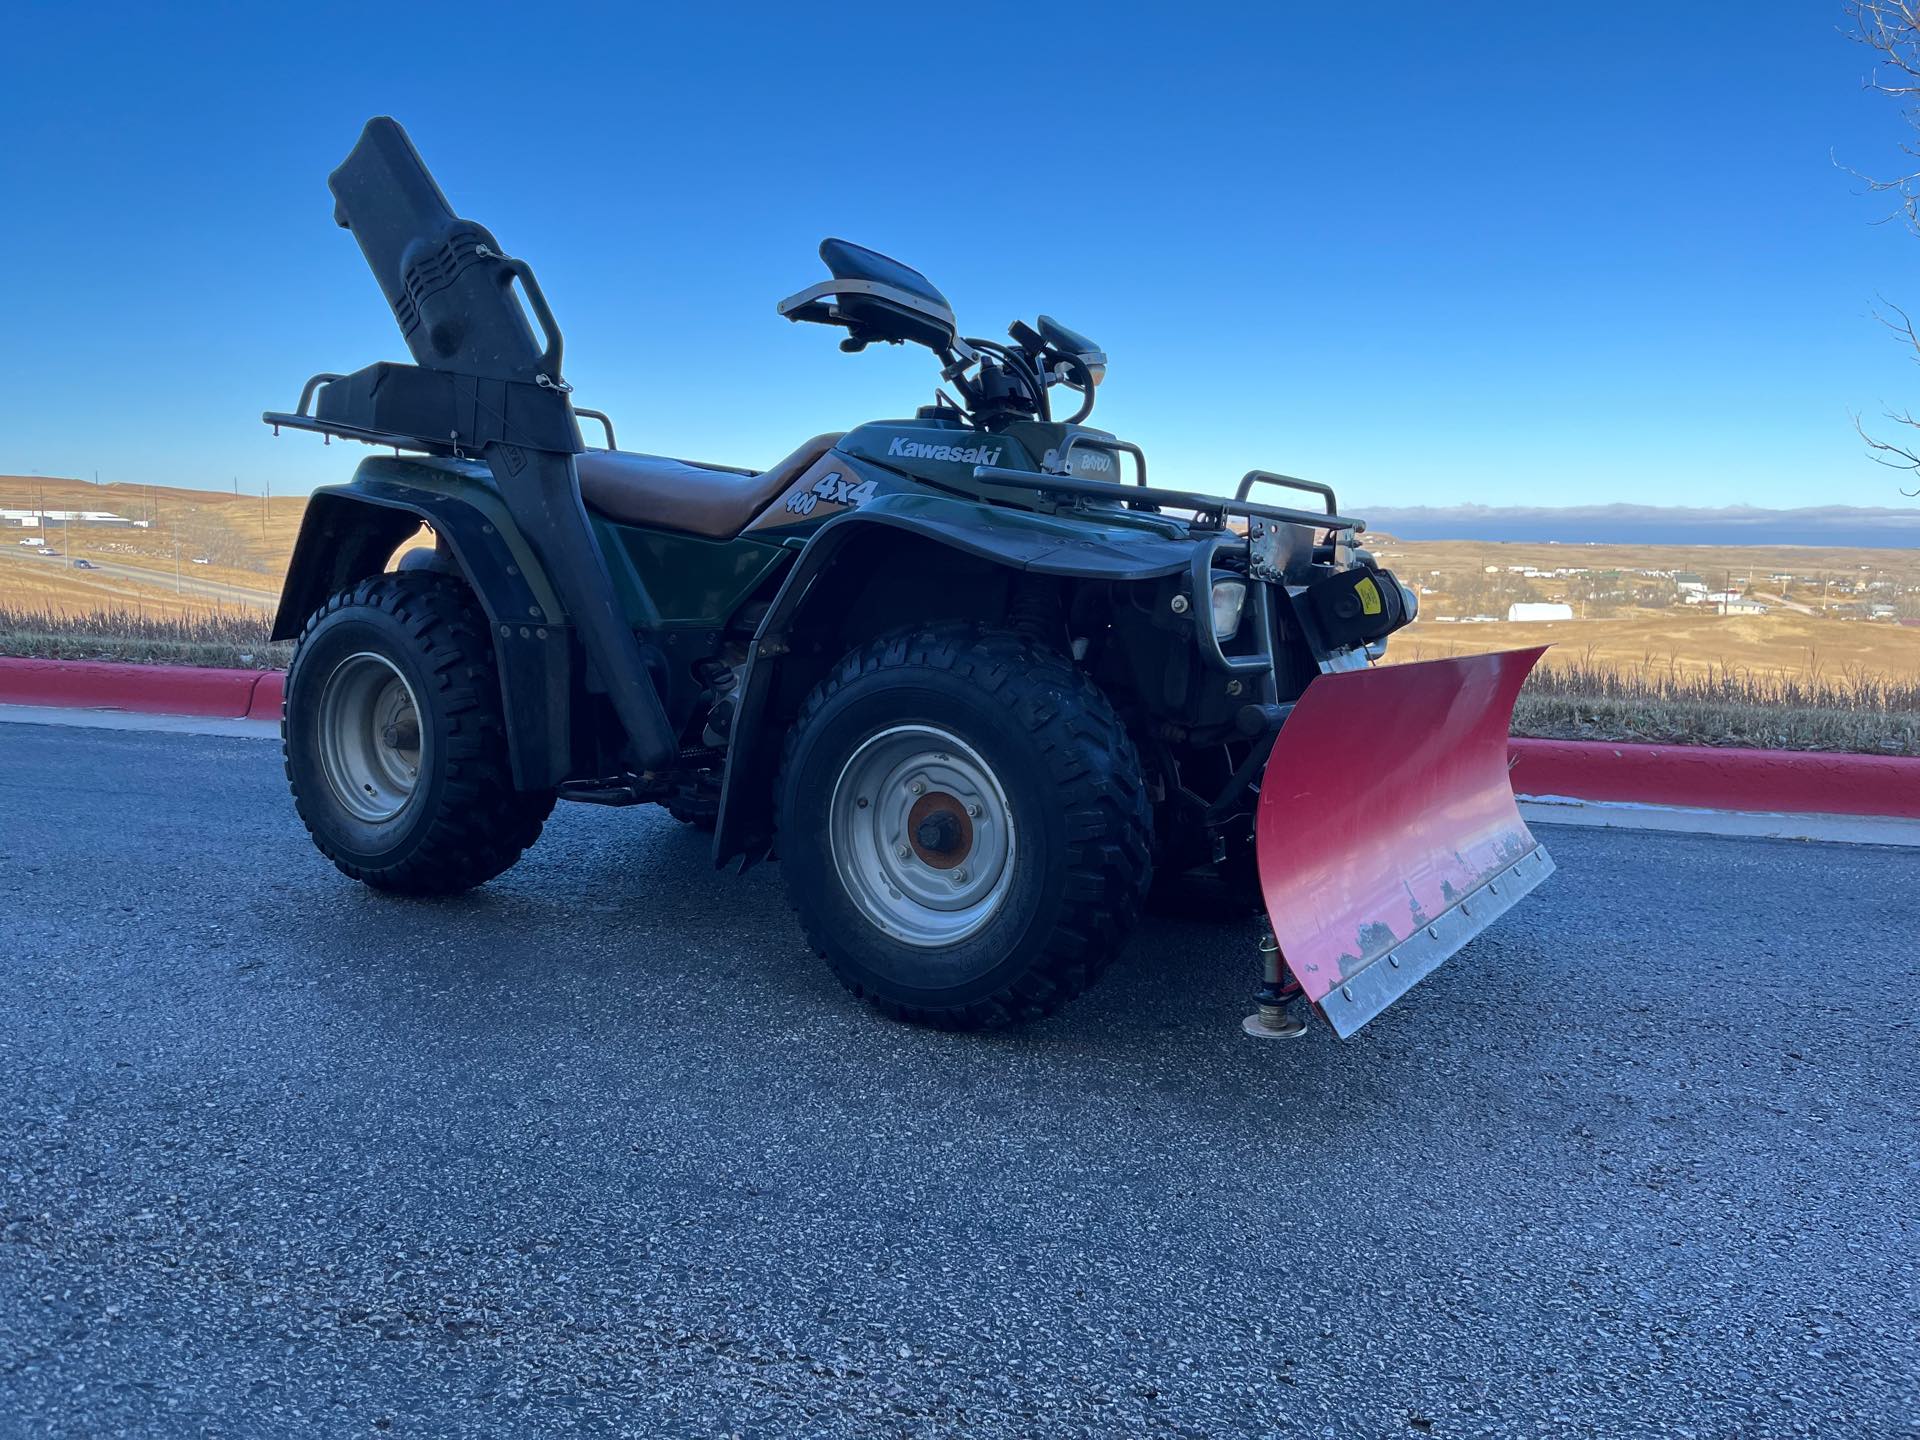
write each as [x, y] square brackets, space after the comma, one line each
[1468, 253]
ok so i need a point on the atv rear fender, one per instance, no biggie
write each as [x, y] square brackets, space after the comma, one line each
[1018, 542]
[350, 532]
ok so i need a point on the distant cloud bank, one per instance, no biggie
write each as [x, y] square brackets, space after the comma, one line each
[1879, 527]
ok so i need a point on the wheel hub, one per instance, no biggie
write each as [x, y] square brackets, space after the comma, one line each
[922, 835]
[369, 736]
[942, 832]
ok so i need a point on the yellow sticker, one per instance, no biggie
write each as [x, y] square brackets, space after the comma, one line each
[1369, 594]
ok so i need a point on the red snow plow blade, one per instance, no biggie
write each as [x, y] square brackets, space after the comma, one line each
[1388, 835]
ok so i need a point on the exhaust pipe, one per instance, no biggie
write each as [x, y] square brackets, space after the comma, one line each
[492, 390]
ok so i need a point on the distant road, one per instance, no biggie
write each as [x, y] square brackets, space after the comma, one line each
[187, 583]
[602, 1149]
[1769, 598]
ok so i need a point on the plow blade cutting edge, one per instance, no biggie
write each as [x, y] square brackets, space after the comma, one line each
[1387, 835]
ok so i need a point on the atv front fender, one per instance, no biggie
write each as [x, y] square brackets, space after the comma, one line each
[350, 531]
[1086, 548]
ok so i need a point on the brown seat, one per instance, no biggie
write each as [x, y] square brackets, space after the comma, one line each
[680, 495]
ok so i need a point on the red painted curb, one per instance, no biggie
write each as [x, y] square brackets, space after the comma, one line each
[1798, 782]
[269, 696]
[1794, 782]
[152, 689]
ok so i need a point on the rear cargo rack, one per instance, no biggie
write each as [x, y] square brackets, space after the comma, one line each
[298, 418]
[301, 418]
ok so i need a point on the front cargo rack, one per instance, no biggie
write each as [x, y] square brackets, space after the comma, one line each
[1141, 496]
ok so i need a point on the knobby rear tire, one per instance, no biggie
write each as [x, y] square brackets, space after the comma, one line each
[464, 822]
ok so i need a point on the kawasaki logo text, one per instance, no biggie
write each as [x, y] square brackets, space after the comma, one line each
[954, 454]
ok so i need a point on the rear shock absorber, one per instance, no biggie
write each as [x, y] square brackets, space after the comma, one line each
[1034, 609]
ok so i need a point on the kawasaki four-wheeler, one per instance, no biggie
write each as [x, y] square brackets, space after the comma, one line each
[966, 674]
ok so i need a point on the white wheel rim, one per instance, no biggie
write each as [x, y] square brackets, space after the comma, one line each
[371, 744]
[922, 835]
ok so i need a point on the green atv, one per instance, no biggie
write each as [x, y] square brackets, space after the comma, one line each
[968, 686]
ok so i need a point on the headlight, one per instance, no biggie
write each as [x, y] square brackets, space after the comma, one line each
[1229, 599]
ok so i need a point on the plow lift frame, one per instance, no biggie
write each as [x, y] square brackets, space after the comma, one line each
[1397, 914]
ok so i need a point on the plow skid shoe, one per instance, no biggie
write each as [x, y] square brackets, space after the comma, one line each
[1388, 836]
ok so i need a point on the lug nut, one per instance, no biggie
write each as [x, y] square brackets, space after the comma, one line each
[1180, 604]
[960, 876]
[917, 786]
[974, 811]
[904, 853]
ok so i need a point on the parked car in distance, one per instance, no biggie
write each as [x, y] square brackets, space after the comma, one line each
[201, 560]
[30, 542]
[85, 565]
[50, 554]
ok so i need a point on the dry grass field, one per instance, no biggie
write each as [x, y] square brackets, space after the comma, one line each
[1816, 624]
[196, 553]
[197, 582]
[1687, 642]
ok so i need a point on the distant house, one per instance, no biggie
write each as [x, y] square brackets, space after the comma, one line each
[1732, 602]
[1538, 610]
[1689, 584]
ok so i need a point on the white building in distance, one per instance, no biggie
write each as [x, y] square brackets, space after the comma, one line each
[1539, 610]
[32, 519]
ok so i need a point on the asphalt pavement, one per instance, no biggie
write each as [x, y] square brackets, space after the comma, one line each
[602, 1149]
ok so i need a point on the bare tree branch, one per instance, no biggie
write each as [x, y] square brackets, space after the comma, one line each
[1884, 452]
[1891, 30]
